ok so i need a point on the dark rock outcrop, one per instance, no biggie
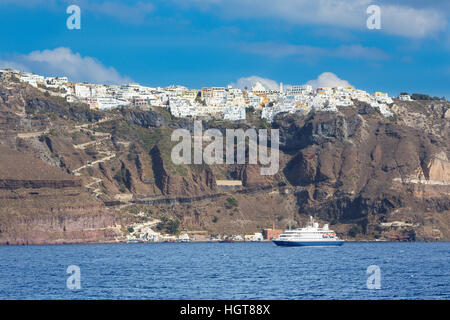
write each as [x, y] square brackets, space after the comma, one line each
[12, 184]
[145, 119]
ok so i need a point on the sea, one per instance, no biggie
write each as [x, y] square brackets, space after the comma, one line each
[250, 270]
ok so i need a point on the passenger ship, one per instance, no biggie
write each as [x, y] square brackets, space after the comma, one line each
[311, 235]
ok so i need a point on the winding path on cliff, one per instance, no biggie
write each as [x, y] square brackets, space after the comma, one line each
[102, 136]
[90, 164]
[83, 146]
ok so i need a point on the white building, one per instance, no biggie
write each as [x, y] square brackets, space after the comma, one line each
[234, 113]
[258, 87]
[299, 90]
[56, 81]
[32, 79]
[254, 100]
[404, 97]
[29, 81]
[182, 108]
[82, 91]
[111, 103]
[258, 237]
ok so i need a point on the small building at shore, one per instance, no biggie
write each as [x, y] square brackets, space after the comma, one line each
[270, 234]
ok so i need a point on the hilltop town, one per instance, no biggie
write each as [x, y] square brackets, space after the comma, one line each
[87, 162]
[227, 103]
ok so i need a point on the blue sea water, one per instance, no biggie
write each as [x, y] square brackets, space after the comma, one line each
[226, 271]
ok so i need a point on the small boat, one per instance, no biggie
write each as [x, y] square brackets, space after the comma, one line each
[311, 235]
[184, 238]
[133, 241]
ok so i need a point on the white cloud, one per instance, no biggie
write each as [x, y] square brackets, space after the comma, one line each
[416, 19]
[346, 51]
[328, 79]
[248, 82]
[125, 11]
[136, 13]
[13, 65]
[63, 62]
[411, 22]
[403, 20]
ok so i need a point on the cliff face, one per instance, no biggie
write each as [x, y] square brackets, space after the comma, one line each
[41, 201]
[59, 228]
[356, 169]
[68, 173]
[46, 205]
[191, 184]
[436, 172]
[353, 168]
[12, 184]
[145, 119]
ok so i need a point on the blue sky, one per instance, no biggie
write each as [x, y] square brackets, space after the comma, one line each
[201, 43]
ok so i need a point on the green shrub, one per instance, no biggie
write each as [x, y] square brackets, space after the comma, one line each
[168, 226]
[354, 231]
[231, 202]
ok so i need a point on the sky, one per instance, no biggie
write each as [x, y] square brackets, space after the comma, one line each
[201, 43]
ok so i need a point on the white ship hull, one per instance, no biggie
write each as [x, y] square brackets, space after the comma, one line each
[311, 235]
[304, 243]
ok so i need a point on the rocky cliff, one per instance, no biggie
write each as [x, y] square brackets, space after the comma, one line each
[356, 169]
[70, 174]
